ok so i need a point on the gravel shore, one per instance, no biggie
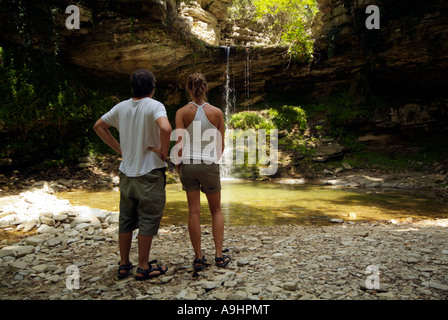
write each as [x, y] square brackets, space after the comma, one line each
[71, 253]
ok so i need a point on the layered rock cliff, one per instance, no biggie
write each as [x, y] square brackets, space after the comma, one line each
[401, 65]
[172, 40]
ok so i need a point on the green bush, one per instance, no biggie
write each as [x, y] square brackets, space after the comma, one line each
[247, 119]
[287, 117]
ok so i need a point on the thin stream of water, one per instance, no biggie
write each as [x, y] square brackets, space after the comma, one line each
[229, 100]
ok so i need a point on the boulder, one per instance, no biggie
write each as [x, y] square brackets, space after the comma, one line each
[327, 153]
[29, 225]
[16, 251]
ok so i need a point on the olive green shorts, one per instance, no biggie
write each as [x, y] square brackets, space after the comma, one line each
[204, 177]
[142, 200]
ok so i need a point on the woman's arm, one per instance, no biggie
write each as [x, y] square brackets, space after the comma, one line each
[221, 129]
[180, 128]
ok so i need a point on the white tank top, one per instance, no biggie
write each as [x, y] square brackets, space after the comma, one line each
[203, 139]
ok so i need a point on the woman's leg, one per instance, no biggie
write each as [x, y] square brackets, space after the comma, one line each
[214, 203]
[194, 223]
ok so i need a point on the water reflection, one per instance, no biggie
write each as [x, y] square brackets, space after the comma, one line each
[264, 203]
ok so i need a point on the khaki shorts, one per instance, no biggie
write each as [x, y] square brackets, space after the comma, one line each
[204, 177]
[142, 200]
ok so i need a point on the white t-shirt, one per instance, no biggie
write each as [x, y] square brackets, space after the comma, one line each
[136, 123]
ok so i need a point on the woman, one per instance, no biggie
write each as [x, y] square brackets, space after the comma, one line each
[199, 169]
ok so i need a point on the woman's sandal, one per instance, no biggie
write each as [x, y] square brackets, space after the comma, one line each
[146, 273]
[128, 267]
[201, 263]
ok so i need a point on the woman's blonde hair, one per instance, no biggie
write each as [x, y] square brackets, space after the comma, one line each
[196, 85]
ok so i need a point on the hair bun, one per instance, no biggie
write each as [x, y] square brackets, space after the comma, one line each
[196, 85]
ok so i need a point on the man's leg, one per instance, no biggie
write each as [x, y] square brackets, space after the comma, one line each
[124, 243]
[127, 220]
[144, 247]
[152, 197]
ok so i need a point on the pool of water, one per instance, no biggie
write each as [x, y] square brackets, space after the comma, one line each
[265, 203]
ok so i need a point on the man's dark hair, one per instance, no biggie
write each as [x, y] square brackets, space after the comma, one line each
[143, 83]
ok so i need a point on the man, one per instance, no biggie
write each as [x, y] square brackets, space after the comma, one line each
[144, 141]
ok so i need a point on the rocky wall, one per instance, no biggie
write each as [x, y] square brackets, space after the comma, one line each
[182, 39]
[402, 64]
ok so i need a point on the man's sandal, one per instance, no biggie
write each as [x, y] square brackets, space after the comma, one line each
[128, 267]
[199, 264]
[146, 273]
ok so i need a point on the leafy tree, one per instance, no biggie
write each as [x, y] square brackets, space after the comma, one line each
[287, 22]
[290, 20]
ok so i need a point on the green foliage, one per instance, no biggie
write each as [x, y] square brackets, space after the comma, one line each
[287, 20]
[246, 119]
[35, 24]
[293, 19]
[45, 111]
[132, 29]
[342, 113]
[241, 10]
[425, 152]
[296, 144]
[287, 117]
[361, 157]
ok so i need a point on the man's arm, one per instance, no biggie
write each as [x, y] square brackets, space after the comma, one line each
[102, 129]
[165, 134]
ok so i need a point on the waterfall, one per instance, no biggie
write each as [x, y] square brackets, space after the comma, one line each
[247, 77]
[229, 101]
[229, 90]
